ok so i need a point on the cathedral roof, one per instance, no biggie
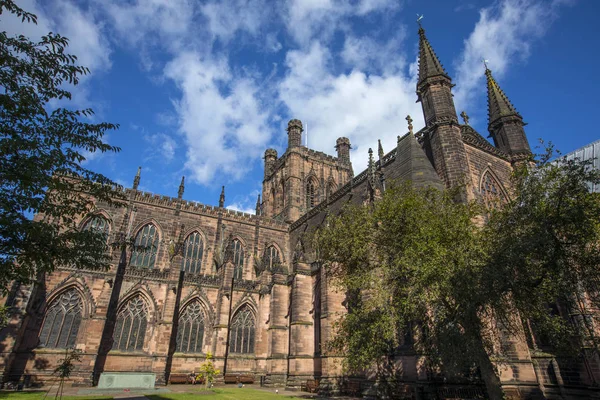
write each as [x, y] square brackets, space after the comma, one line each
[429, 64]
[498, 104]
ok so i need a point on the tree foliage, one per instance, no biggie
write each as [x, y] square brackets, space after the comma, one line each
[42, 150]
[456, 277]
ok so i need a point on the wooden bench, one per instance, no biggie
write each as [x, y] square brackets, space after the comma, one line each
[238, 378]
[352, 388]
[311, 386]
[179, 378]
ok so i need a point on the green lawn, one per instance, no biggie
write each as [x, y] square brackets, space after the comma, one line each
[231, 393]
[223, 394]
[39, 395]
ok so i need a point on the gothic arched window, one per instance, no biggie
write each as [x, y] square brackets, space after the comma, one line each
[311, 193]
[190, 331]
[147, 240]
[271, 257]
[491, 191]
[238, 259]
[130, 329]
[97, 223]
[193, 249]
[62, 321]
[330, 189]
[241, 337]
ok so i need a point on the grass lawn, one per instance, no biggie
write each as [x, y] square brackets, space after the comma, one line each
[222, 394]
[233, 393]
[39, 395]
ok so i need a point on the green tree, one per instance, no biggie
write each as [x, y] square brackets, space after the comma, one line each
[208, 372]
[42, 148]
[418, 262]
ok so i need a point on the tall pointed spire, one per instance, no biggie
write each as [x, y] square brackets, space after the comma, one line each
[258, 205]
[222, 197]
[181, 188]
[429, 64]
[505, 123]
[136, 180]
[380, 152]
[498, 104]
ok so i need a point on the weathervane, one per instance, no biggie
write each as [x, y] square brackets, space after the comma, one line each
[484, 61]
[419, 18]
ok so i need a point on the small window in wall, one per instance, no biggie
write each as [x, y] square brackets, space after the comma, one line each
[241, 337]
[491, 191]
[271, 257]
[193, 250]
[145, 255]
[62, 321]
[130, 329]
[190, 330]
[311, 193]
[238, 259]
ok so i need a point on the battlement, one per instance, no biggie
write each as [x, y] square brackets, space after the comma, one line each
[202, 209]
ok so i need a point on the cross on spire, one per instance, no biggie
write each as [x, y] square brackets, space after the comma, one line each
[465, 117]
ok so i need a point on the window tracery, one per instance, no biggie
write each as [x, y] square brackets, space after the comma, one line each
[99, 224]
[238, 259]
[272, 257]
[491, 191]
[130, 328]
[190, 330]
[193, 250]
[62, 321]
[147, 241]
[242, 332]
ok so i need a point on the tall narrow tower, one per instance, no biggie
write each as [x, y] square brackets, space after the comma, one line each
[505, 123]
[442, 135]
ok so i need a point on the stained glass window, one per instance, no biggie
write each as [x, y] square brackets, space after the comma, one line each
[147, 240]
[193, 249]
[190, 331]
[241, 337]
[130, 329]
[491, 192]
[238, 259]
[97, 223]
[62, 321]
[271, 257]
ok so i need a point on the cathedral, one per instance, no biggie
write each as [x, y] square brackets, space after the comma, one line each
[247, 288]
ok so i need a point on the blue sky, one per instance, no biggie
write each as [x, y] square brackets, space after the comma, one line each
[202, 88]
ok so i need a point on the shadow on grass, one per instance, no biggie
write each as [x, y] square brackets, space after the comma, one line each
[230, 394]
[39, 394]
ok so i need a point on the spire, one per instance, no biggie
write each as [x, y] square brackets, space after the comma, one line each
[181, 188]
[380, 150]
[429, 64]
[222, 197]
[258, 205]
[371, 167]
[136, 180]
[498, 103]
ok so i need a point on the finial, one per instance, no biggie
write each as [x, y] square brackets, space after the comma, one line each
[419, 18]
[371, 166]
[181, 188]
[484, 61]
[222, 197]
[136, 180]
[465, 117]
[410, 126]
[380, 149]
[258, 205]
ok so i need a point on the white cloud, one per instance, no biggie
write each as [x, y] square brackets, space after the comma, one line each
[245, 203]
[221, 116]
[162, 147]
[368, 54]
[356, 105]
[307, 19]
[503, 35]
[225, 18]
